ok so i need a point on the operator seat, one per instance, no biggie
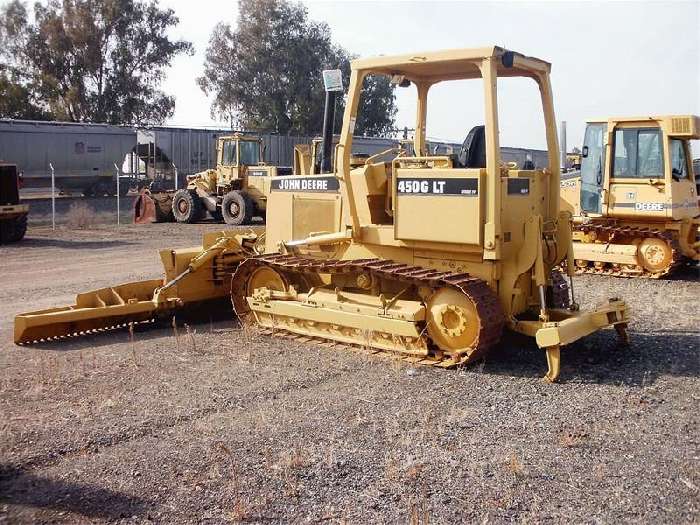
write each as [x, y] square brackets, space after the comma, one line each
[472, 154]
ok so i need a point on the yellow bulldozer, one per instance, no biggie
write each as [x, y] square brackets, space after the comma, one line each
[425, 257]
[635, 203]
[234, 192]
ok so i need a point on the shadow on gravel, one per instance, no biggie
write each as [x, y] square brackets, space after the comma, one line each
[689, 273]
[24, 488]
[38, 242]
[599, 358]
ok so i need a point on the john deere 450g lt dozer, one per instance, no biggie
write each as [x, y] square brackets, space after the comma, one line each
[427, 257]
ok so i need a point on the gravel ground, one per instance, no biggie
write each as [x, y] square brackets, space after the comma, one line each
[218, 425]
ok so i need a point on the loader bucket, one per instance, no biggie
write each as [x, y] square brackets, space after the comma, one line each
[94, 311]
[152, 207]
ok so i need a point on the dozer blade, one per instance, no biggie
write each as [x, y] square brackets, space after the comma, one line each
[196, 279]
[97, 310]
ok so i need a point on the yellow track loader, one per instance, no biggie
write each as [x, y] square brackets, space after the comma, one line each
[425, 257]
[635, 203]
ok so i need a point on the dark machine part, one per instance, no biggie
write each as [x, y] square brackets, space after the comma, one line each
[328, 119]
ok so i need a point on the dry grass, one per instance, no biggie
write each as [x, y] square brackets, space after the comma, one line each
[515, 466]
[572, 437]
[81, 216]
[418, 512]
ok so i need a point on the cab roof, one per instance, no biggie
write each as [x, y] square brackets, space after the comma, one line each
[452, 64]
[686, 126]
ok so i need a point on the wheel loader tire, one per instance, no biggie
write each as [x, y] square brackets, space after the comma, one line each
[237, 208]
[13, 230]
[187, 208]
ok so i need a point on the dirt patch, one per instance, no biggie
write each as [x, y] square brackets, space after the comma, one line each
[228, 426]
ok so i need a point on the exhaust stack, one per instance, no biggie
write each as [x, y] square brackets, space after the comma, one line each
[333, 83]
[562, 142]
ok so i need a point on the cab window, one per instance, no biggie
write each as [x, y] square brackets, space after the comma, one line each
[638, 154]
[679, 165]
[228, 157]
[250, 152]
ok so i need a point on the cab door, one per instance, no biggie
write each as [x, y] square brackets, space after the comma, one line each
[682, 198]
[638, 185]
[593, 168]
[228, 167]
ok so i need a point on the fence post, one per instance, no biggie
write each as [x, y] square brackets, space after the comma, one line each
[118, 196]
[53, 197]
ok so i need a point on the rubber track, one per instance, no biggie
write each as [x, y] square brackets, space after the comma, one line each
[630, 231]
[485, 300]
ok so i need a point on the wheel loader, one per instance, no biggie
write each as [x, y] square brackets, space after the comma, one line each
[13, 215]
[428, 257]
[635, 203]
[235, 191]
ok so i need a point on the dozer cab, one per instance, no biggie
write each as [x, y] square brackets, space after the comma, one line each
[235, 191]
[424, 257]
[13, 214]
[635, 203]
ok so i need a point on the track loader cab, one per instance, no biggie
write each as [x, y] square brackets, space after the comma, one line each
[427, 256]
[635, 203]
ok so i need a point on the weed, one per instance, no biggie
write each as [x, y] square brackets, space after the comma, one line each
[190, 334]
[241, 510]
[176, 334]
[133, 345]
[515, 466]
[572, 438]
[418, 513]
[81, 216]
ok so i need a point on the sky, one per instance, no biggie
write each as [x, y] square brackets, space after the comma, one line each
[608, 58]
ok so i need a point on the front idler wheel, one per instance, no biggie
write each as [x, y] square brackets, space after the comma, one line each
[655, 255]
[453, 322]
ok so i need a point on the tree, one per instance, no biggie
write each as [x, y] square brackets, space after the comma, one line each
[266, 73]
[17, 91]
[91, 60]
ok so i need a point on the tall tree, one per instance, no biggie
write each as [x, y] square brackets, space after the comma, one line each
[91, 60]
[266, 72]
[18, 93]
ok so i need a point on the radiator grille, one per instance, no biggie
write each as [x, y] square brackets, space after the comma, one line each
[680, 125]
